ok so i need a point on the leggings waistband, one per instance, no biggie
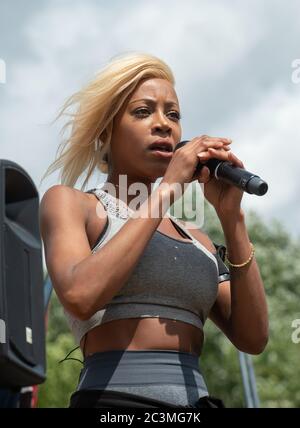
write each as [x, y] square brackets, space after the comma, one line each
[143, 356]
[140, 368]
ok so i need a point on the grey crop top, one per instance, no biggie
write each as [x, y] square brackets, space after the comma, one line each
[173, 279]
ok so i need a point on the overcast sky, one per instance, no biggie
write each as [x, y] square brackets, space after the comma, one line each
[232, 61]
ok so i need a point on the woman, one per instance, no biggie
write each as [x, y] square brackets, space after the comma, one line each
[137, 287]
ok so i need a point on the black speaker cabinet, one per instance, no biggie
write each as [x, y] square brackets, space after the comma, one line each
[22, 317]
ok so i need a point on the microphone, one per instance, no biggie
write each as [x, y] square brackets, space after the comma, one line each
[239, 177]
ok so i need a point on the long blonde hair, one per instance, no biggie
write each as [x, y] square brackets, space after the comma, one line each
[98, 103]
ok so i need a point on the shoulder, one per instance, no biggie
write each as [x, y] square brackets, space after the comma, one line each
[61, 193]
[201, 236]
[62, 200]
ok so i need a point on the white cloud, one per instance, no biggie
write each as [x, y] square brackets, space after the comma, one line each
[203, 42]
[266, 139]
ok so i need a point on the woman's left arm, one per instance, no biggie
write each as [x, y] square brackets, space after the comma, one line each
[241, 309]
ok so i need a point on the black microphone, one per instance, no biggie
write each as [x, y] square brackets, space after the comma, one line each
[239, 177]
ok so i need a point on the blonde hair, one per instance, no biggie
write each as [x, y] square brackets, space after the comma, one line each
[98, 103]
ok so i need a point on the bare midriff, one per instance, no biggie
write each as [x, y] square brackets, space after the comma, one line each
[140, 333]
[144, 334]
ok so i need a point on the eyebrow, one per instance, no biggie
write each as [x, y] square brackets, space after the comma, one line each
[152, 101]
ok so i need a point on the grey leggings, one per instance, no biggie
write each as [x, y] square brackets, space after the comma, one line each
[170, 376]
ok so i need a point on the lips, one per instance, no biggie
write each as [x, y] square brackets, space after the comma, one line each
[161, 146]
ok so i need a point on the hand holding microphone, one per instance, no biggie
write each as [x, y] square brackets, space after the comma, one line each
[230, 173]
[223, 174]
[181, 169]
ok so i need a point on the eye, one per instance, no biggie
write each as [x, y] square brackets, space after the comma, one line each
[175, 115]
[142, 111]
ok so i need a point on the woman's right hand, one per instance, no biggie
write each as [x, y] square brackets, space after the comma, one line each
[184, 161]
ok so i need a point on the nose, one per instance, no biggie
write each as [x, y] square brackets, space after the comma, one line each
[161, 123]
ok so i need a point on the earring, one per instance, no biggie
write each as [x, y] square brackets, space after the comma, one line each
[98, 144]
